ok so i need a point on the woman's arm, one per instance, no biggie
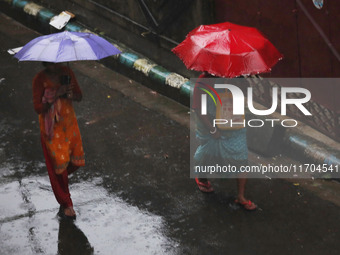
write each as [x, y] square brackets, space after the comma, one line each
[73, 94]
[214, 131]
[204, 119]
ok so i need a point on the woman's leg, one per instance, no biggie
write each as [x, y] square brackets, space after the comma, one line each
[241, 186]
[59, 182]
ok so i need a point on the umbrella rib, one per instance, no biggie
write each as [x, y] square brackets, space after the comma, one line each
[41, 53]
[59, 48]
[88, 41]
[75, 51]
[97, 44]
[102, 47]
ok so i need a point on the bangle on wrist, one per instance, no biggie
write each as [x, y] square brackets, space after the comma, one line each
[214, 131]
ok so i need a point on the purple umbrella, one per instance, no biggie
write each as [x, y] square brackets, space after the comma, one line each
[66, 46]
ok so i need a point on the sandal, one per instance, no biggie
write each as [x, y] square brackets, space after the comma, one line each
[204, 187]
[249, 205]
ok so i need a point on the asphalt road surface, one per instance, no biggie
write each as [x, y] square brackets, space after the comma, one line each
[134, 196]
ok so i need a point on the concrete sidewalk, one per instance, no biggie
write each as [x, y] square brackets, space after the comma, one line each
[304, 142]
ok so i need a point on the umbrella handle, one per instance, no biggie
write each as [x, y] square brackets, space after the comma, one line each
[66, 79]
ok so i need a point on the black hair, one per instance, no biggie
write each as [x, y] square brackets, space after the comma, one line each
[45, 63]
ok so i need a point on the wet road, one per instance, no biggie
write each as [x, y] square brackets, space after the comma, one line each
[135, 196]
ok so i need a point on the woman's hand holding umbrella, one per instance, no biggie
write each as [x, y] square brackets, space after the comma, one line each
[68, 91]
[61, 91]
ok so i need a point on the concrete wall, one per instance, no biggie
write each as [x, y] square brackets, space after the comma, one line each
[308, 37]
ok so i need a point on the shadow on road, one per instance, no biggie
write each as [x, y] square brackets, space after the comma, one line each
[71, 240]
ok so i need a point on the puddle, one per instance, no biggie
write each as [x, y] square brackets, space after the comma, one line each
[105, 224]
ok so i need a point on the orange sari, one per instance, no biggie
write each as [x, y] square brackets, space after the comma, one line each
[65, 145]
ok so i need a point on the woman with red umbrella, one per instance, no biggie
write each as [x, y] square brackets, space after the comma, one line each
[224, 50]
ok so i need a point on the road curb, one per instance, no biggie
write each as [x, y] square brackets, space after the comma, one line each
[303, 145]
[311, 150]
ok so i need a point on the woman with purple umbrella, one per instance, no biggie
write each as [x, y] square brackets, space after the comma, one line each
[54, 90]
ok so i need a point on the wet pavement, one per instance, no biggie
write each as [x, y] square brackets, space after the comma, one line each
[134, 196]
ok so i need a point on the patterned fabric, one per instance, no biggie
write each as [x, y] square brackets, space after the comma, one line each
[230, 148]
[53, 114]
[65, 144]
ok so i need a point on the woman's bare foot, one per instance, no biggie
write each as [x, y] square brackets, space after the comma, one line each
[204, 185]
[247, 204]
[69, 212]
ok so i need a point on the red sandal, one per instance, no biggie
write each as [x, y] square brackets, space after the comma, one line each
[204, 187]
[249, 205]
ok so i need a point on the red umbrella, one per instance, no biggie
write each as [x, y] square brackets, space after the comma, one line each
[227, 50]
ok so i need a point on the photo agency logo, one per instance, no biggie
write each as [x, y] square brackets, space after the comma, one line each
[318, 4]
[230, 105]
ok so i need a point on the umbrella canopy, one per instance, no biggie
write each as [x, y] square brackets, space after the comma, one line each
[66, 46]
[227, 50]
